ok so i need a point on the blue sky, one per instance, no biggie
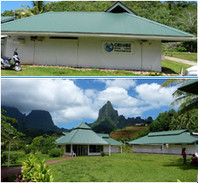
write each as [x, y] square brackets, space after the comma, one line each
[12, 5]
[71, 101]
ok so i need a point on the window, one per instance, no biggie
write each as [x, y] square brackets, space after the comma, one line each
[67, 148]
[95, 148]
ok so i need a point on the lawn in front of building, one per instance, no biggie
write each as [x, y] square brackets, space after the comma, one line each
[171, 68]
[127, 167]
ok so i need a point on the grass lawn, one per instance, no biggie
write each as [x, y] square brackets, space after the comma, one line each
[124, 168]
[168, 67]
[28, 70]
[184, 55]
[22, 157]
[173, 67]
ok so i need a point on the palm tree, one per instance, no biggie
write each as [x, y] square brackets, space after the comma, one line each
[38, 8]
[187, 100]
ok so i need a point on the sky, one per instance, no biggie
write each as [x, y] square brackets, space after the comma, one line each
[71, 101]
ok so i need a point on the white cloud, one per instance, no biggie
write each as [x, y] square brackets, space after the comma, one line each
[121, 83]
[60, 97]
[154, 95]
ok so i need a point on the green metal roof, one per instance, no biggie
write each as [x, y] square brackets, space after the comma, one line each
[190, 86]
[164, 133]
[103, 135]
[82, 126]
[81, 135]
[92, 22]
[181, 138]
[6, 19]
[109, 140]
[112, 142]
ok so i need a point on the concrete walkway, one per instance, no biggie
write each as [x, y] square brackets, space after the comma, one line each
[180, 60]
[9, 171]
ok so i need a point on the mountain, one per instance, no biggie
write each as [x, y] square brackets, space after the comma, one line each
[36, 122]
[109, 120]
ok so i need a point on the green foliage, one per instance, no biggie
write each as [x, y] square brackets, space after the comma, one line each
[38, 142]
[188, 120]
[55, 152]
[172, 120]
[42, 173]
[102, 153]
[48, 144]
[8, 13]
[27, 149]
[36, 172]
[14, 158]
[162, 121]
[8, 132]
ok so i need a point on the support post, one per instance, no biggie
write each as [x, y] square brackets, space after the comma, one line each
[121, 149]
[109, 150]
[71, 150]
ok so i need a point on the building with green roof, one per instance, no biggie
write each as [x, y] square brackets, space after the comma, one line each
[117, 38]
[190, 86]
[83, 141]
[166, 142]
[5, 19]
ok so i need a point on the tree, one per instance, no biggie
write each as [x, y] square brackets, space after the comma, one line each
[186, 100]
[7, 13]
[38, 142]
[38, 8]
[162, 121]
[8, 132]
[188, 120]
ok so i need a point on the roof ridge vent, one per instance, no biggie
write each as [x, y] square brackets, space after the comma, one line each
[118, 7]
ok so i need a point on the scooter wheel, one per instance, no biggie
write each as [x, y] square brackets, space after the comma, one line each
[17, 68]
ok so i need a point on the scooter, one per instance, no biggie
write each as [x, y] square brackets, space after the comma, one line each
[7, 64]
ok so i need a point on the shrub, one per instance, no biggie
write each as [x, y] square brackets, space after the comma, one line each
[55, 152]
[27, 149]
[102, 153]
[36, 172]
[14, 158]
[33, 149]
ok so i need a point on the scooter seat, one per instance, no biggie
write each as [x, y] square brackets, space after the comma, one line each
[6, 58]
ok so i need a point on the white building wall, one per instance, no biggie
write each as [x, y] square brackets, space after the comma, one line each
[170, 149]
[25, 49]
[86, 52]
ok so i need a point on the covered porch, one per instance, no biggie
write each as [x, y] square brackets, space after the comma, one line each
[88, 150]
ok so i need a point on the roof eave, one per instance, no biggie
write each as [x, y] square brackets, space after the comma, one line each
[135, 36]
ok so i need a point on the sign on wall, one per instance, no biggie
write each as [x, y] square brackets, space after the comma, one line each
[117, 47]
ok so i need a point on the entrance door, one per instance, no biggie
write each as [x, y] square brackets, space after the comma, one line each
[80, 150]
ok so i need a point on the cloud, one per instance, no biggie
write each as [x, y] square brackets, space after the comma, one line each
[154, 95]
[121, 83]
[62, 98]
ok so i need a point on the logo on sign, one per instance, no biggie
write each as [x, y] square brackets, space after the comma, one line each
[109, 47]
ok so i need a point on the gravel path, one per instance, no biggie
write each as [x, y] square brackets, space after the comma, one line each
[9, 171]
[181, 60]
